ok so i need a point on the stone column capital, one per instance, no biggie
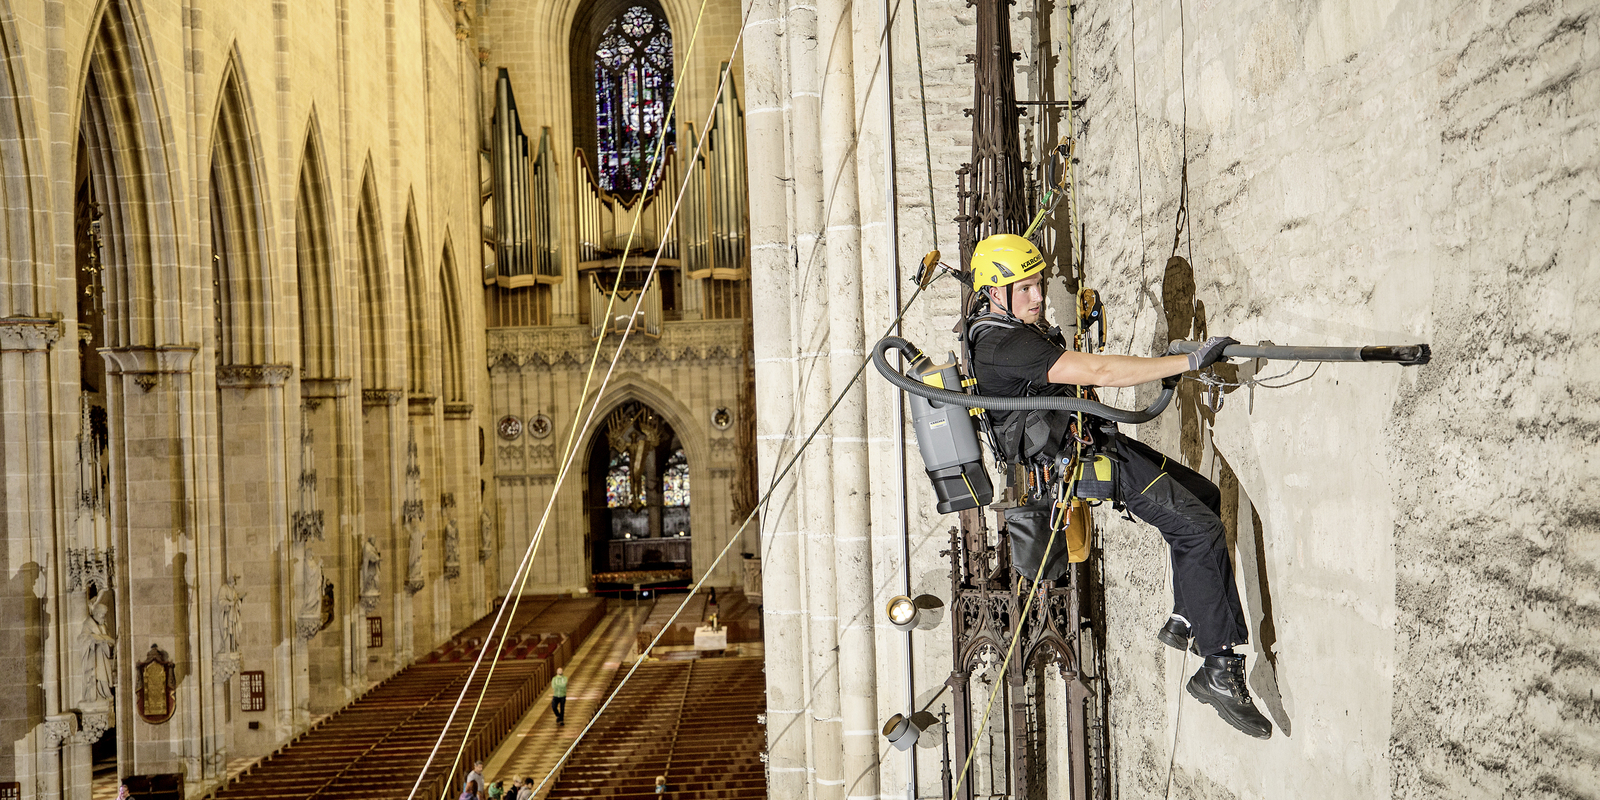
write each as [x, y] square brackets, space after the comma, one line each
[59, 729]
[28, 333]
[253, 376]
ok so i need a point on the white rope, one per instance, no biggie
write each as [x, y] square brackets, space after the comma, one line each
[524, 568]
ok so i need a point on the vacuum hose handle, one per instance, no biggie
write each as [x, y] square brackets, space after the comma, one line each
[1075, 404]
[1408, 355]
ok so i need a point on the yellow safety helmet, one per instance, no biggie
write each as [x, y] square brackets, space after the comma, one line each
[1004, 259]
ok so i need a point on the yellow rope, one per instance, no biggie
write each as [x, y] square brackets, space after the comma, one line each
[520, 577]
[760, 504]
[1055, 524]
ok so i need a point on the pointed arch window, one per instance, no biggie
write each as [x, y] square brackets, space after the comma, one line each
[617, 481]
[675, 480]
[633, 89]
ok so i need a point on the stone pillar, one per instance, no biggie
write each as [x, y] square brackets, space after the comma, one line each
[253, 445]
[165, 574]
[844, 149]
[382, 478]
[770, 104]
[34, 576]
[337, 657]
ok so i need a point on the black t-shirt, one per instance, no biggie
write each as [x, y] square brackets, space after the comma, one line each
[1014, 360]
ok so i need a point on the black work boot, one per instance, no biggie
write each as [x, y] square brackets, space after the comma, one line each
[1177, 634]
[1220, 684]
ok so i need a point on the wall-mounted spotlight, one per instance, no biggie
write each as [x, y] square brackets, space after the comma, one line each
[902, 731]
[922, 613]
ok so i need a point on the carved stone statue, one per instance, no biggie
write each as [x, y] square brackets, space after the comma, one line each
[414, 535]
[485, 536]
[371, 559]
[230, 615]
[309, 617]
[452, 549]
[636, 430]
[99, 649]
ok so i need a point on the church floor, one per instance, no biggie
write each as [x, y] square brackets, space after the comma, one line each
[536, 744]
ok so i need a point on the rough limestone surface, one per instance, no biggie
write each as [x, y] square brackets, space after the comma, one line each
[1417, 548]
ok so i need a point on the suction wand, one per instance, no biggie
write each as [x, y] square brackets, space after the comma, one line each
[1406, 355]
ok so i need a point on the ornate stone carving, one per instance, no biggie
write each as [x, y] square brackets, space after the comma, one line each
[452, 550]
[88, 568]
[312, 584]
[485, 536]
[253, 376]
[230, 620]
[308, 526]
[156, 691]
[411, 511]
[371, 560]
[93, 477]
[58, 729]
[571, 346]
[308, 520]
[147, 364]
[380, 397]
[542, 454]
[95, 723]
[28, 333]
[411, 515]
[98, 649]
[447, 500]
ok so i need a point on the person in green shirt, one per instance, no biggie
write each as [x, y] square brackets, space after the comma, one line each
[558, 696]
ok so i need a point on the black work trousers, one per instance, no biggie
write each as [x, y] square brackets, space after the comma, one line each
[1187, 509]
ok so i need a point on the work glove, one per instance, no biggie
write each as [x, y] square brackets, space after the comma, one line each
[1210, 352]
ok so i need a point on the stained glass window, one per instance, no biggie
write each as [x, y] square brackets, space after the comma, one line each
[675, 480]
[617, 481]
[633, 87]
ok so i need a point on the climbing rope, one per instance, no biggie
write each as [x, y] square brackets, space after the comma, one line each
[1033, 590]
[927, 137]
[519, 579]
[765, 499]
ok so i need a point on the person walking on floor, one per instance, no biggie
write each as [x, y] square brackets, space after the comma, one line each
[558, 696]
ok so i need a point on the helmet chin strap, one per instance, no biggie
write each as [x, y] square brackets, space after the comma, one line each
[1006, 311]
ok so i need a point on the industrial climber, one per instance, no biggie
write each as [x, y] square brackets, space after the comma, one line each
[1013, 354]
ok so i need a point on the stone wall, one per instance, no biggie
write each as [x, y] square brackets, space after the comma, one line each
[1416, 562]
[685, 375]
[1418, 565]
[212, 300]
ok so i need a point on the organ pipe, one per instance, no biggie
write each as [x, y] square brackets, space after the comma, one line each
[527, 250]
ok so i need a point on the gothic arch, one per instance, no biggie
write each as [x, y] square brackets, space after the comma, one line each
[241, 259]
[22, 231]
[130, 163]
[373, 305]
[419, 334]
[633, 386]
[314, 260]
[454, 381]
